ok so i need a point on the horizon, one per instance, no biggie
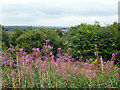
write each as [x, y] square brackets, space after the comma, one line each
[56, 25]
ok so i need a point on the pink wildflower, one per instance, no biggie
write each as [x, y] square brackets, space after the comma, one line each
[47, 40]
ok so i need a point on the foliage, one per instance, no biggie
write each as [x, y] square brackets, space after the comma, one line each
[55, 40]
[30, 39]
[14, 36]
[0, 33]
[82, 38]
[60, 33]
[36, 71]
[5, 38]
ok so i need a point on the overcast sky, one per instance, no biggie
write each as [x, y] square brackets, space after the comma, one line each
[58, 12]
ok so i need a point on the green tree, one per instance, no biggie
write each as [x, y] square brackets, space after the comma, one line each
[5, 38]
[31, 39]
[82, 38]
[14, 36]
[59, 32]
[55, 40]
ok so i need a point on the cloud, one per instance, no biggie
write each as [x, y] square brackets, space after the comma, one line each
[57, 12]
[75, 20]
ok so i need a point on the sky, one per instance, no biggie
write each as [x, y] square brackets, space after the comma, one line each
[58, 12]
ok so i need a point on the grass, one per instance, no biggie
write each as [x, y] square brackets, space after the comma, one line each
[41, 69]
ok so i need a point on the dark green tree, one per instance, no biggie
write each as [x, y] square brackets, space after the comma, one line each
[14, 36]
[31, 39]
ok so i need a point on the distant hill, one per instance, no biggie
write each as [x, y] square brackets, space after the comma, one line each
[63, 27]
[7, 28]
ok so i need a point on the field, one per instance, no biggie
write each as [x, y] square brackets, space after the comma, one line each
[41, 69]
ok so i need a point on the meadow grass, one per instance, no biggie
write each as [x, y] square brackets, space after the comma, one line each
[41, 69]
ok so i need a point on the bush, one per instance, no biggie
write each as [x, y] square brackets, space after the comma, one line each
[82, 38]
[14, 36]
[55, 40]
[5, 38]
[31, 39]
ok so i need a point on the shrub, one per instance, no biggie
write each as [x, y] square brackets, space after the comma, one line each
[31, 38]
[14, 36]
[82, 38]
[5, 38]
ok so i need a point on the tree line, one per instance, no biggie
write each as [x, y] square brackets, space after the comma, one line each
[80, 39]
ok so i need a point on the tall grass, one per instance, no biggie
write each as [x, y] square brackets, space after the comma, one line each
[41, 69]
